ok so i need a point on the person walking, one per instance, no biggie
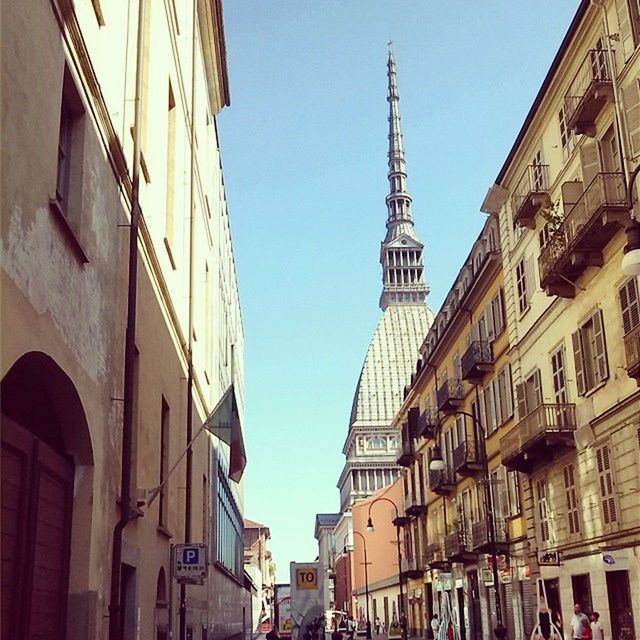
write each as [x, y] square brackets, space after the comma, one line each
[580, 626]
[378, 626]
[435, 625]
[597, 632]
[351, 627]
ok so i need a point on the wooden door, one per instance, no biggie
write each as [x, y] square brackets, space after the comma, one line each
[620, 605]
[37, 485]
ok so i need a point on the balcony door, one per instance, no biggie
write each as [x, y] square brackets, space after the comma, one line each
[529, 394]
[610, 152]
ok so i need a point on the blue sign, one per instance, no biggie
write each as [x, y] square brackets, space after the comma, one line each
[190, 561]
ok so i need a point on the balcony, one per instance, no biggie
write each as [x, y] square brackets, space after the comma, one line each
[435, 558]
[450, 395]
[539, 437]
[412, 568]
[588, 226]
[480, 542]
[477, 360]
[530, 195]
[414, 506]
[466, 461]
[457, 549]
[406, 454]
[590, 89]
[442, 482]
[632, 353]
[427, 424]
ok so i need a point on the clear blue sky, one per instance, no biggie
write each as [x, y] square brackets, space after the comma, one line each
[304, 150]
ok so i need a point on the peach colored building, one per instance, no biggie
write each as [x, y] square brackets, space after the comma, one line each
[382, 554]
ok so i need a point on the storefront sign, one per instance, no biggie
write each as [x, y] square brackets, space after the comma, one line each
[615, 561]
[549, 558]
[505, 576]
[524, 573]
[487, 577]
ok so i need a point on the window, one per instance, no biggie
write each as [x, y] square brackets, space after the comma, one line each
[164, 463]
[539, 182]
[567, 136]
[573, 517]
[559, 376]
[229, 543]
[488, 403]
[524, 283]
[590, 354]
[544, 235]
[607, 487]
[171, 174]
[629, 306]
[529, 394]
[497, 311]
[505, 393]
[70, 142]
[543, 511]
[513, 494]
[634, 14]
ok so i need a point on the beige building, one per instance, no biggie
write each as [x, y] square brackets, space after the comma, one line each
[573, 318]
[81, 395]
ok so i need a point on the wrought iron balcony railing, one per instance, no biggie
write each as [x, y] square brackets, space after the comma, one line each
[477, 360]
[586, 229]
[450, 395]
[442, 482]
[406, 453]
[632, 353]
[466, 460]
[588, 92]
[480, 535]
[457, 546]
[531, 194]
[539, 437]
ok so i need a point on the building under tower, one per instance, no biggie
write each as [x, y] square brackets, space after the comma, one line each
[371, 446]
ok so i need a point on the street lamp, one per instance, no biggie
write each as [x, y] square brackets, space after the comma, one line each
[437, 464]
[631, 258]
[366, 577]
[370, 529]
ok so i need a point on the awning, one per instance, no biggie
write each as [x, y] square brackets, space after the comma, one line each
[224, 422]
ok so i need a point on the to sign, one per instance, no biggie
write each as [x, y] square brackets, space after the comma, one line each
[307, 578]
[190, 561]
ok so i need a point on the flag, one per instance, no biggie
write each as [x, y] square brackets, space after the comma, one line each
[224, 423]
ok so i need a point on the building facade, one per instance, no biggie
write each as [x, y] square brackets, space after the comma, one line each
[261, 568]
[460, 400]
[561, 201]
[109, 132]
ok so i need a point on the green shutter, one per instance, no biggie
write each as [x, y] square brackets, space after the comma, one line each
[601, 364]
[577, 357]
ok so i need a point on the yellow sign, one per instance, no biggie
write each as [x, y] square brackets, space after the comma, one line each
[307, 578]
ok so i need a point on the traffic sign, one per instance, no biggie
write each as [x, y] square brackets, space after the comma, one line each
[306, 578]
[190, 561]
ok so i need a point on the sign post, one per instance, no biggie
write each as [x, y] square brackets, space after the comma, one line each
[190, 563]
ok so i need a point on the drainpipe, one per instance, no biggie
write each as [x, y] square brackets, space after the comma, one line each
[192, 199]
[126, 512]
[617, 101]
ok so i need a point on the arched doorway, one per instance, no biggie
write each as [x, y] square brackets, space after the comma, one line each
[162, 613]
[44, 435]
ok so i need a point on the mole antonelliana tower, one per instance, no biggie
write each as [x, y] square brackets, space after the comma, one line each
[371, 446]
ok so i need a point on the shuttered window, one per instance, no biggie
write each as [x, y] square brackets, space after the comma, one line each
[543, 511]
[505, 393]
[607, 486]
[521, 284]
[559, 376]
[590, 354]
[573, 516]
[629, 306]
[497, 308]
[513, 493]
[567, 136]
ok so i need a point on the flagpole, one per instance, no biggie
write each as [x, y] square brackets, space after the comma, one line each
[155, 492]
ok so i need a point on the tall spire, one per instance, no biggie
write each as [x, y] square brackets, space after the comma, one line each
[401, 253]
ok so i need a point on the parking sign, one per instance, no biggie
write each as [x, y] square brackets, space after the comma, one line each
[190, 561]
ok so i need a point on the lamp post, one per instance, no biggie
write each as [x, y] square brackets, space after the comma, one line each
[366, 577]
[370, 529]
[631, 258]
[437, 464]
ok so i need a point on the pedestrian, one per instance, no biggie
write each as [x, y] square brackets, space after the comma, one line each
[597, 632]
[580, 628]
[351, 627]
[336, 634]
[273, 634]
[435, 625]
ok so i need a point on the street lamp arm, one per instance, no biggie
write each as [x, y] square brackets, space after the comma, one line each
[383, 499]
